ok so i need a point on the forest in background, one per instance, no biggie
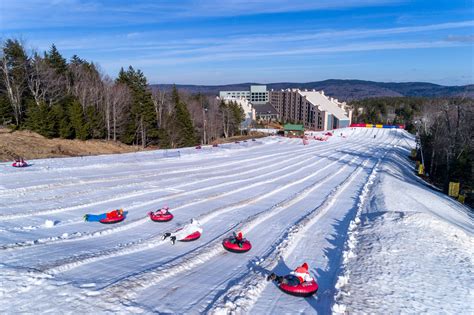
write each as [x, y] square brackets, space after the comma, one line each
[74, 99]
[445, 129]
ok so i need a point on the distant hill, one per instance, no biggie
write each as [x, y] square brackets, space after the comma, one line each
[345, 90]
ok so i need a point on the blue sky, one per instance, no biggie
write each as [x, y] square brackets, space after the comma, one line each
[231, 41]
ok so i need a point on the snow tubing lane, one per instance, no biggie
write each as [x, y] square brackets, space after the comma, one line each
[246, 246]
[191, 237]
[112, 220]
[16, 164]
[304, 289]
[161, 217]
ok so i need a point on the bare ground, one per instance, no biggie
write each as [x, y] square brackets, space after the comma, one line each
[31, 145]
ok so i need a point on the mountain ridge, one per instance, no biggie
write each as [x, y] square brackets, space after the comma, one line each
[345, 90]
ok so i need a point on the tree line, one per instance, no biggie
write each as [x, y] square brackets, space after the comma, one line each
[74, 99]
[388, 110]
[445, 128]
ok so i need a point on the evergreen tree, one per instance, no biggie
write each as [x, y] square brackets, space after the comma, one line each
[182, 119]
[14, 61]
[95, 123]
[75, 60]
[39, 119]
[238, 116]
[6, 111]
[56, 60]
[142, 126]
[62, 123]
[78, 123]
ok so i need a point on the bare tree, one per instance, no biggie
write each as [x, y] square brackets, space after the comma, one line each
[117, 98]
[226, 118]
[45, 83]
[87, 85]
[159, 101]
[13, 63]
[213, 120]
[446, 127]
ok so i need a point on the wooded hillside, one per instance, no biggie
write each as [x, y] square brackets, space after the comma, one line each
[74, 99]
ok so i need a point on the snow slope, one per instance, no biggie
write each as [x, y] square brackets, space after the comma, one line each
[294, 203]
[410, 248]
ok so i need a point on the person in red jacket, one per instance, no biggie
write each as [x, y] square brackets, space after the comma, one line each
[238, 239]
[296, 277]
[114, 214]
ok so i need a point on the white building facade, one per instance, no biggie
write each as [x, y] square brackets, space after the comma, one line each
[258, 94]
[313, 109]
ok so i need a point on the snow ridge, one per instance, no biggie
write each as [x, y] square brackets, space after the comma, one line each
[351, 241]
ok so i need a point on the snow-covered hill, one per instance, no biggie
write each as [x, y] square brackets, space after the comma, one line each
[376, 238]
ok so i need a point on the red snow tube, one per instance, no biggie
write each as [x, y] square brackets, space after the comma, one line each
[112, 220]
[191, 237]
[231, 247]
[161, 217]
[20, 164]
[304, 289]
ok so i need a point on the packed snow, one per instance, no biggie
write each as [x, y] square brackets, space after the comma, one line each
[377, 238]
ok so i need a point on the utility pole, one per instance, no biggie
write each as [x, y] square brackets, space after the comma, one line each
[204, 125]
[204, 117]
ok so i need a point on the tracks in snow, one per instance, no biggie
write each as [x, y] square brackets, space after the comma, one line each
[128, 287]
[133, 174]
[133, 247]
[135, 223]
[132, 195]
[241, 297]
[268, 163]
[129, 225]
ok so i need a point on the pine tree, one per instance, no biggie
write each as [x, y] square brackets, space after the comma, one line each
[142, 126]
[13, 74]
[39, 119]
[56, 60]
[6, 111]
[62, 123]
[95, 123]
[182, 119]
[78, 123]
[238, 116]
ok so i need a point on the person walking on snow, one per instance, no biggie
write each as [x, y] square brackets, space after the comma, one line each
[184, 232]
[296, 277]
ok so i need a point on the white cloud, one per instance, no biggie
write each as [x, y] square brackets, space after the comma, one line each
[218, 55]
[69, 13]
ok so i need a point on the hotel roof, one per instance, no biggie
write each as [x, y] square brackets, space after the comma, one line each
[324, 103]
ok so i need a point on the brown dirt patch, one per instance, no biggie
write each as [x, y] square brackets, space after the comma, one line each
[31, 145]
